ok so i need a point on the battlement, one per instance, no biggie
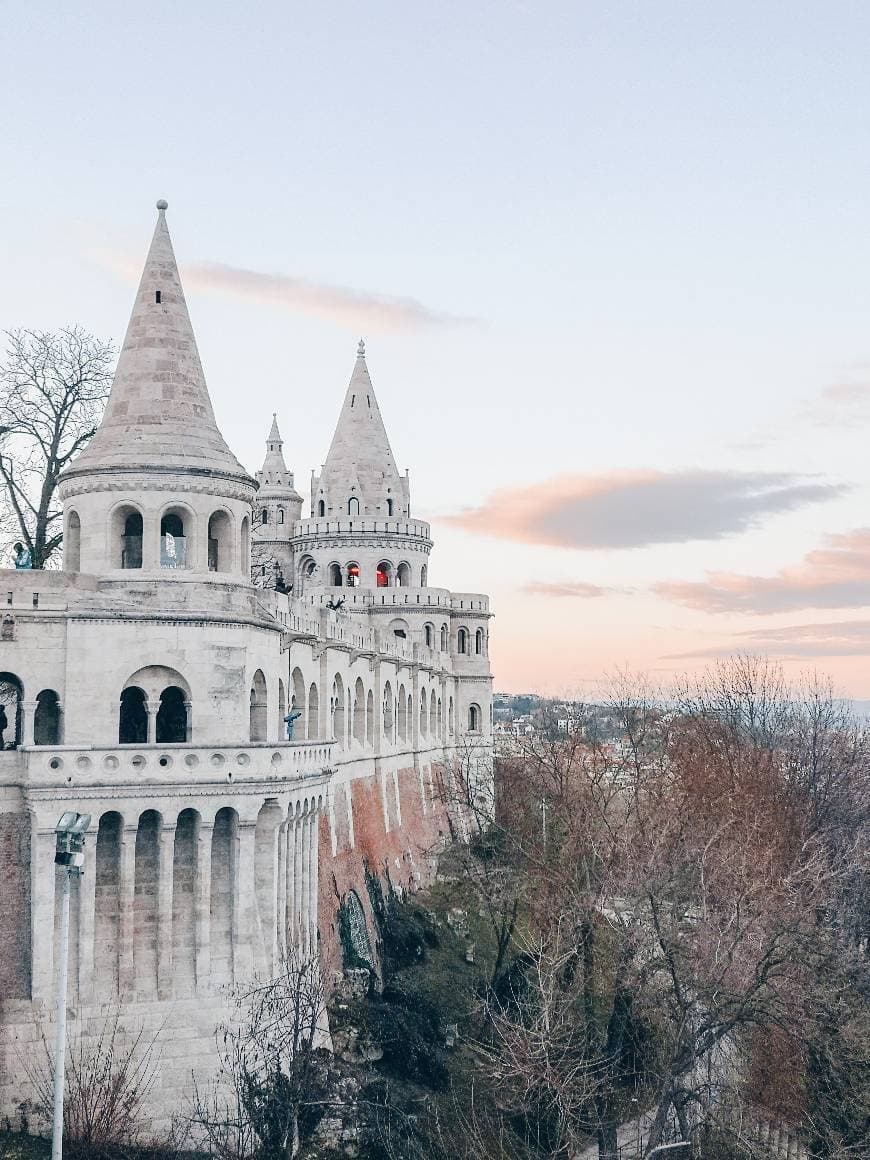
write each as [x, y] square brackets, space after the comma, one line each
[25, 588]
[372, 599]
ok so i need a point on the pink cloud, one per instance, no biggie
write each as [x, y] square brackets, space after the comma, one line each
[836, 576]
[565, 588]
[633, 509]
[840, 638]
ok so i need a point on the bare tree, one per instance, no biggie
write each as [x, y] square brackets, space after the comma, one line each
[272, 1067]
[53, 387]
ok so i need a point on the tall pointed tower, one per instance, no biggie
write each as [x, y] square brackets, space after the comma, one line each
[157, 490]
[360, 533]
[279, 507]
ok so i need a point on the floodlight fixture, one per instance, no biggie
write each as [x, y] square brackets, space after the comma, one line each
[70, 840]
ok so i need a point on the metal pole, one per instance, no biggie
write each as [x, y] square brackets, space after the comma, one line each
[60, 1030]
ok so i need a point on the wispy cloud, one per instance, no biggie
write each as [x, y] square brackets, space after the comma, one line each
[842, 638]
[362, 309]
[844, 403]
[570, 588]
[836, 576]
[635, 509]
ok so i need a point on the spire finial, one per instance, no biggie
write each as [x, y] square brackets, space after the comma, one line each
[163, 205]
[361, 349]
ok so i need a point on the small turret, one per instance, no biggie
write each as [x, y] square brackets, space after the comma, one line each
[278, 507]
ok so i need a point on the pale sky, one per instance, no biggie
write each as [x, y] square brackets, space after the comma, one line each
[611, 261]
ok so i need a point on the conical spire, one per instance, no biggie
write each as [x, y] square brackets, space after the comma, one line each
[159, 413]
[360, 461]
[275, 434]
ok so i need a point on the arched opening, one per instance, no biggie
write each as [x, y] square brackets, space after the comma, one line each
[402, 713]
[72, 544]
[370, 718]
[133, 717]
[462, 641]
[359, 712]
[444, 638]
[173, 550]
[245, 542]
[410, 714]
[337, 710]
[184, 863]
[424, 724]
[424, 576]
[474, 718]
[313, 730]
[353, 506]
[11, 698]
[440, 720]
[335, 580]
[297, 704]
[222, 899]
[321, 508]
[127, 522]
[145, 891]
[282, 709]
[107, 901]
[384, 574]
[46, 718]
[403, 575]
[264, 516]
[307, 571]
[388, 712]
[389, 506]
[478, 642]
[172, 716]
[355, 946]
[219, 543]
[428, 635]
[280, 515]
[451, 721]
[259, 707]
[352, 575]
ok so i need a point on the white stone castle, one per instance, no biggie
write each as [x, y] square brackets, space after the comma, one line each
[148, 683]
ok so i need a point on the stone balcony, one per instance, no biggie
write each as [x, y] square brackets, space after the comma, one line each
[164, 768]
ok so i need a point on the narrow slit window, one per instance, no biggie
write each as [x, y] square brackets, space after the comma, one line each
[157, 297]
[352, 400]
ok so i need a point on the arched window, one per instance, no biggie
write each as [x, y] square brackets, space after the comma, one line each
[219, 543]
[297, 703]
[280, 515]
[462, 641]
[352, 575]
[403, 714]
[46, 718]
[172, 541]
[11, 697]
[353, 506]
[370, 718]
[424, 704]
[259, 707]
[388, 712]
[389, 507]
[335, 580]
[313, 730]
[474, 718]
[359, 712]
[131, 540]
[133, 717]
[424, 576]
[428, 635]
[440, 719]
[172, 716]
[307, 572]
[246, 548]
[451, 720]
[403, 575]
[321, 508]
[72, 544]
[384, 574]
[478, 641]
[444, 638]
[282, 710]
[264, 516]
[337, 710]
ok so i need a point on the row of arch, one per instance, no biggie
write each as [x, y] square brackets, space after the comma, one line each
[178, 546]
[45, 715]
[353, 508]
[351, 575]
[170, 919]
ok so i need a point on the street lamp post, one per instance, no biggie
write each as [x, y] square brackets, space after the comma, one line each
[70, 854]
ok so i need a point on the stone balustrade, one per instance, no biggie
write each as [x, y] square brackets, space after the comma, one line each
[360, 525]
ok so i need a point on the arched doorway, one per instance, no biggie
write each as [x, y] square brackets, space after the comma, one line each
[46, 718]
[11, 697]
[133, 717]
[172, 716]
[259, 707]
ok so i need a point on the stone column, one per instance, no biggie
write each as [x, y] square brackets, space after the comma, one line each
[150, 542]
[165, 859]
[202, 907]
[188, 710]
[42, 877]
[126, 886]
[28, 712]
[151, 707]
[87, 917]
[246, 924]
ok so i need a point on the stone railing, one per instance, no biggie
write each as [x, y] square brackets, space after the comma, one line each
[361, 525]
[82, 766]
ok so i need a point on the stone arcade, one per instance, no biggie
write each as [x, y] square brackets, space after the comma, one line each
[147, 684]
